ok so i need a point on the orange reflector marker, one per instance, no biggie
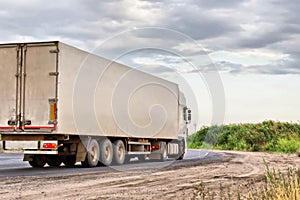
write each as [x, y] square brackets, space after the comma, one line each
[53, 111]
[49, 145]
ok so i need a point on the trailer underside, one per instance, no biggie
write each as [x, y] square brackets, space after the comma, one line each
[91, 151]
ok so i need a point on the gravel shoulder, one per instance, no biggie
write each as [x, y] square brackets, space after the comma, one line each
[176, 181]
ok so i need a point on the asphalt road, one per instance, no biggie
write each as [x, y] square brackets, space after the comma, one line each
[11, 165]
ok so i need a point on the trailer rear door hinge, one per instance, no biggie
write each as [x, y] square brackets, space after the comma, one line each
[53, 73]
[54, 51]
[12, 122]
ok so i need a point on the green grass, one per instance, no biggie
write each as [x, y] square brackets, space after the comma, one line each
[266, 136]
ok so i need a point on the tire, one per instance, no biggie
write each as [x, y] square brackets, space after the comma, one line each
[38, 162]
[180, 157]
[164, 151]
[69, 161]
[106, 152]
[92, 155]
[119, 152]
[54, 161]
[181, 150]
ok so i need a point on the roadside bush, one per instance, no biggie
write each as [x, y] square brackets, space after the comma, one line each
[266, 136]
[287, 146]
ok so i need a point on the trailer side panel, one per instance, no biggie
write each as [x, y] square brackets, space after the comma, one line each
[101, 97]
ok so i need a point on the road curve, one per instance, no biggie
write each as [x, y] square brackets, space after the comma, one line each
[11, 165]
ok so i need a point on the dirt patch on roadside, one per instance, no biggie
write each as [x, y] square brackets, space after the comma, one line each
[173, 182]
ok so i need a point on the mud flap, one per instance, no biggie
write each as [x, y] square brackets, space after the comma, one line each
[81, 149]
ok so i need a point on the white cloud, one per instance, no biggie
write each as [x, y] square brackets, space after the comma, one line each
[248, 56]
[230, 26]
[241, 36]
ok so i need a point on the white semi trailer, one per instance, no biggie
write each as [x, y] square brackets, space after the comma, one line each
[79, 107]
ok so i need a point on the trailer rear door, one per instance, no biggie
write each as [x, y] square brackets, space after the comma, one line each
[40, 86]
[28, 86]
[9, 57]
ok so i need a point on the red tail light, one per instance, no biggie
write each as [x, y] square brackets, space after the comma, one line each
[49, 145]
[153, 147]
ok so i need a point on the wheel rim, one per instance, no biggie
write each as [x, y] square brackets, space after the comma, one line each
[94, 154]
[165, 153]
[121, 151]
[107, 152]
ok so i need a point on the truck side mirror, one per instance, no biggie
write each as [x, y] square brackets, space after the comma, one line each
[184, 114]
[189, 116]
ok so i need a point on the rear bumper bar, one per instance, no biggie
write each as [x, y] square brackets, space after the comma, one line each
[40, 152]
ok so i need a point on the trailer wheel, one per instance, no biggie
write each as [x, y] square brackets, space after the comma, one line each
[106, 152]
[69, 161]
[119, 152]
[54, 161]
[181, 150]
[164, 151]
[38, 161]
[180, 157]
[92, 155]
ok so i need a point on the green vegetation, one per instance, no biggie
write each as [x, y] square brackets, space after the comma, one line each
[266, 136]
[276, 185]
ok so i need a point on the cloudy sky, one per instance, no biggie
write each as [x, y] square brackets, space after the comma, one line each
[238, 60]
